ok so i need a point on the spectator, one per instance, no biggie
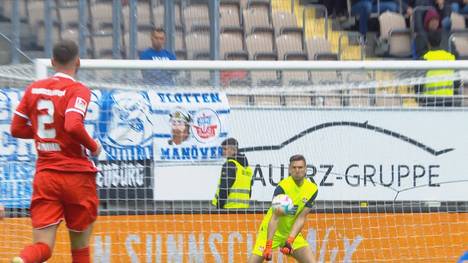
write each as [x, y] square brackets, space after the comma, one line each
[408, 6]
[460, 6]
[334, 7]
[440, 92]
[157, 52]
[444, 9]
[431, 24]
[418, 15]
[363, 9]
[235, 183]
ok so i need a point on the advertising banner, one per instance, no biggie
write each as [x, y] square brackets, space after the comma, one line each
[352, 154]
[357, 237]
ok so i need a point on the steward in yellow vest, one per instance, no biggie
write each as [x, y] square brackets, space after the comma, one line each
[235, 183]
[442, 87]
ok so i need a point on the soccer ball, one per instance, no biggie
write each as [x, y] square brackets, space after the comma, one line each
[282, 204]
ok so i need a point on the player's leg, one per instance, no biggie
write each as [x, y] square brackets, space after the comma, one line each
[80, 245]
[260, 243]
[302, 251]
[255, 259]
[304, 255]
[46, 215]
[81, 204]
[257, 250]
[80, 239]
[41, 249]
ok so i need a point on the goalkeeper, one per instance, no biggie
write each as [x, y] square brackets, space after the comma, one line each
[284, 231]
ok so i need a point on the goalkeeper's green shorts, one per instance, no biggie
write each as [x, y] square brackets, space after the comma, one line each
[278, 241]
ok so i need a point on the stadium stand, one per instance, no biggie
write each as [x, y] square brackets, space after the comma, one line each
[229, 12]
[198, 42]
[394, 32]
[233, 14]
[194, 16]
[158, 13]
[231, 41]
[256, 29]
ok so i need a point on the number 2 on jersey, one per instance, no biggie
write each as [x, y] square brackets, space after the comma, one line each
[45, 118]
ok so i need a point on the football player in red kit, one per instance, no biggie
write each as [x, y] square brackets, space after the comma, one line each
[52, 112]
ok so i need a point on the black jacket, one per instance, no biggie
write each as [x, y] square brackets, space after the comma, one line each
[228, 177]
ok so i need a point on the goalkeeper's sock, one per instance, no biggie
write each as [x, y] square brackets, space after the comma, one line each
[81, 255]
[38, 252]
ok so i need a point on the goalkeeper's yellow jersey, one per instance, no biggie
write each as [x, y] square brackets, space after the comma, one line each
[301, 196]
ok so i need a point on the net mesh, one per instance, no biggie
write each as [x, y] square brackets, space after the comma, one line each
[390, 186]
[337, 88]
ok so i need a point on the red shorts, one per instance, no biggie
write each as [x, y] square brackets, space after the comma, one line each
[60, 195]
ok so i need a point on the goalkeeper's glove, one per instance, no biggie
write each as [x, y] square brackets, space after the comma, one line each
[287, 249]
[267, 252]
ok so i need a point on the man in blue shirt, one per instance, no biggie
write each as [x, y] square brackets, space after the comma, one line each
[157, 52]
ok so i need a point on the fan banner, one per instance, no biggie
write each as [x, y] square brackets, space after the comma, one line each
[17, 157]
[163, 126]
[125, 180]
[189, 126]
[133, 127]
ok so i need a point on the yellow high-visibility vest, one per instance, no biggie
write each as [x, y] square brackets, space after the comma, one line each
[439, 88]
[239, 193]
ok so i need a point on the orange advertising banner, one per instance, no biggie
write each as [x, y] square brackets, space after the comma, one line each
[352, 237]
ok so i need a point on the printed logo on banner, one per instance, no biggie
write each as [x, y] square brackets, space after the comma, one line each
[125, 179]
[206, 125]
[125, 125]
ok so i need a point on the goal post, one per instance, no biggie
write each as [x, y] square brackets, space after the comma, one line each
[388, 158]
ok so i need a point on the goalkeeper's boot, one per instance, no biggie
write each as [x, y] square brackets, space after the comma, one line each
[17, 260]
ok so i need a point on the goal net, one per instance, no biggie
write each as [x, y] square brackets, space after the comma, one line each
[384, 141]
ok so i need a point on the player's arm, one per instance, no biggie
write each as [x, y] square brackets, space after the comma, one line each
[298, 225]
[20, 125]
[272, 226]
[300, 221]
[228, 177]
[74, 120]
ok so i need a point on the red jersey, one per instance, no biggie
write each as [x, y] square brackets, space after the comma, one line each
[46, 103]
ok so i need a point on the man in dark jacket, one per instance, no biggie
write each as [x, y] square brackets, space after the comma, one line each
[431, 24]
[364, 8]
[235, 183]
